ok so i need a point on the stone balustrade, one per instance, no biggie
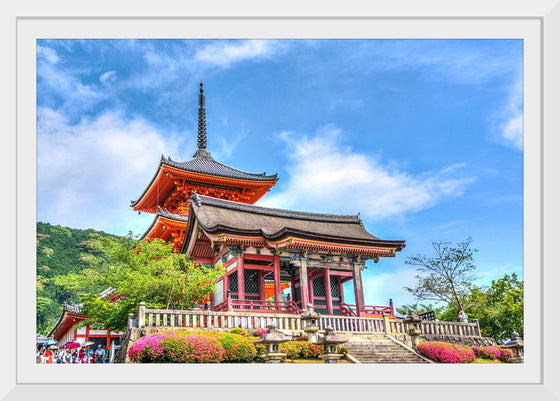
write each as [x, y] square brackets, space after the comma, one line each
[450, 328]
[170, 318]
[203, 319]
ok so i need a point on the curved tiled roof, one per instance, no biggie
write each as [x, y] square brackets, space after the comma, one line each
[207, 165]
[164, 213]
[221, 216]
[267, 211]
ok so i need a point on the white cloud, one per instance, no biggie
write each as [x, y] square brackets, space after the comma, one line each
[108, 77]
[326, 176]
[88, 173]
[223, 54]
[511, 118]
[76, 96]
[47, 53]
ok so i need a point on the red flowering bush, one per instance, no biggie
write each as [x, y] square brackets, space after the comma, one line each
[505, 354]
[175, 347]
[446, 352]
[487, 352]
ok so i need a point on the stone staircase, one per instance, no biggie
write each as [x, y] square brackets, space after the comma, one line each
[381, 350]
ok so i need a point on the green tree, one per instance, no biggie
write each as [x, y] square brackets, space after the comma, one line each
[144, 271]
[447, 277]
[58, 253]
[499, 308]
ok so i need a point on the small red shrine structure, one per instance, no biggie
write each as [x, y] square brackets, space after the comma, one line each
[206, 210]
[66, 329]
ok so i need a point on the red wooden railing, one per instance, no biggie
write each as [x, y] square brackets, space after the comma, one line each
[346, 310]
[239, 305]
[369, 310]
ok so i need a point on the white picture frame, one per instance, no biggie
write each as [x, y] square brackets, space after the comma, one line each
[26, 21]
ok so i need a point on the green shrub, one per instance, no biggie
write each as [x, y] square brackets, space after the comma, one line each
[238, 348]
[261, 350]
[240, 331]
[301, 349]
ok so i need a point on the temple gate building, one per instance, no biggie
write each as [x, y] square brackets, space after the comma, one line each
[206, 210]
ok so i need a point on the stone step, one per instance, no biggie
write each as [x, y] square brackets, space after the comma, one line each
[381, 351]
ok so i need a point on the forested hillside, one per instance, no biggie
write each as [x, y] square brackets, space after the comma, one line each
[59, 251]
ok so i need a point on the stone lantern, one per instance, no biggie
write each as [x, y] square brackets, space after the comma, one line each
[516, 345]
[311, 323]
[272, 340]
[330, 341]
[413, 327]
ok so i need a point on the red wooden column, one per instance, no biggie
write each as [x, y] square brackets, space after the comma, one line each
[311, 297]
[341, 289]
[262, 291]
[240, 276]
[277, 288]
[328, 295]
[226, 285]
[358, 288]
[303, 282]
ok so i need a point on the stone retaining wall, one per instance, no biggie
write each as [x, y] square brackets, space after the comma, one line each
[470, 341]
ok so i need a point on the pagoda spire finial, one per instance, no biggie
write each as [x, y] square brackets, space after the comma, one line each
[202, 152]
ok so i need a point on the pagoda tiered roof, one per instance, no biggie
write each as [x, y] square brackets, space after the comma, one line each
[207, 165]
[168, 227]
[229, 222]
[173, 181]
[202, 172]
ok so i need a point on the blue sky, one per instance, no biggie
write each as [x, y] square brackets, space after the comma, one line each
[422, 137]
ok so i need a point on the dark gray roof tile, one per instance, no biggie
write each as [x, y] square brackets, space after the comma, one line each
[207, 165]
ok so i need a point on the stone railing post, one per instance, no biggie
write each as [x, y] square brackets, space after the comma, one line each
[386, 325]
[130, 317]
[477, 327]
[141, 315]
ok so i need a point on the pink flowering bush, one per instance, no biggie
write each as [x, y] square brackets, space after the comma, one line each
[260, 332]
[175, 347]
[505, 354]
[446, 352]
[487, 352]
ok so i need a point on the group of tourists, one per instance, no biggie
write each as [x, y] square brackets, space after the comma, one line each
[66, 354]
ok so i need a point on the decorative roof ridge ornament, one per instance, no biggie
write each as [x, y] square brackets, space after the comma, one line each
[202, 142]
[196, 198]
